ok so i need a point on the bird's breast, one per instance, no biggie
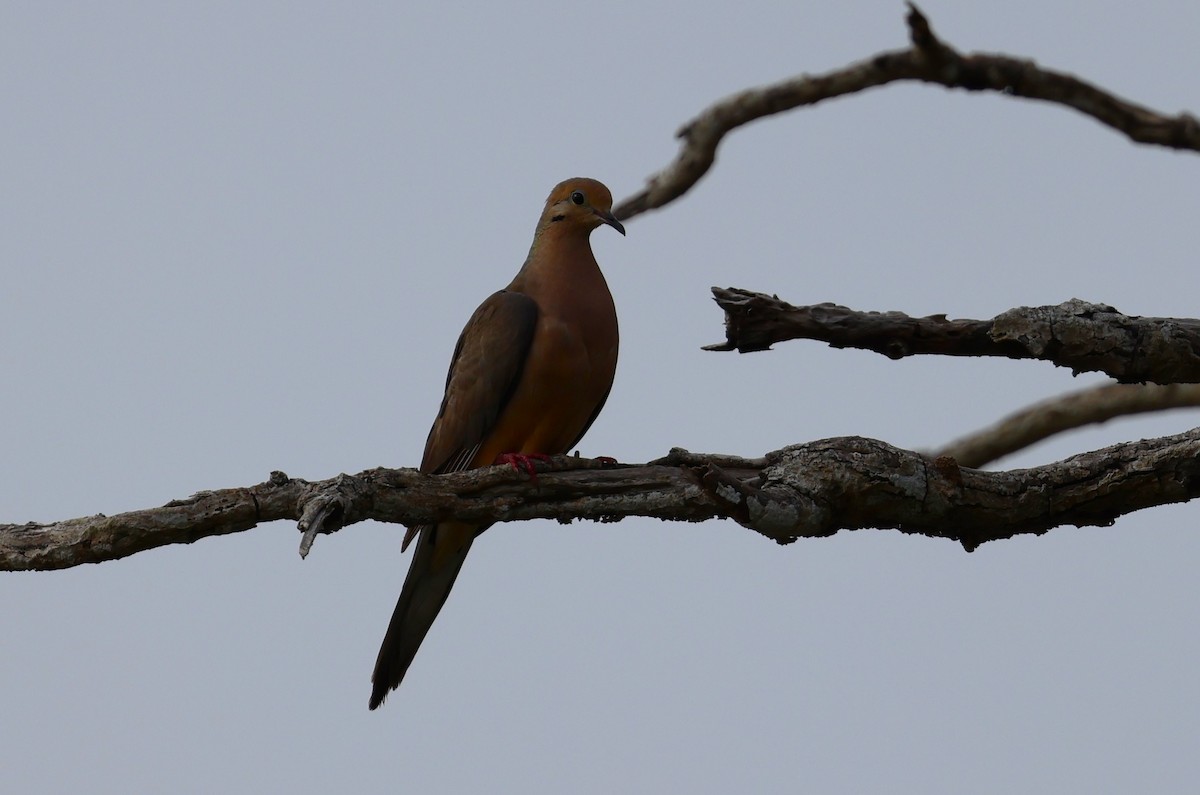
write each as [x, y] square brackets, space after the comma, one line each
[567, 375]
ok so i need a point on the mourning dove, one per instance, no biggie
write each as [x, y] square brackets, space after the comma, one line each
[531, 371]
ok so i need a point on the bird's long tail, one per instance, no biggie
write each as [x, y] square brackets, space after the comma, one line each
[441, 550]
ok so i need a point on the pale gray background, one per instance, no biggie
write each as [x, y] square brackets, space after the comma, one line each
[238, 238]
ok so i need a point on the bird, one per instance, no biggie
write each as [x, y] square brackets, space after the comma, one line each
[532, 369]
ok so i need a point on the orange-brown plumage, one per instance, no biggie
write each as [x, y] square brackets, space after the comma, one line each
[531, 371]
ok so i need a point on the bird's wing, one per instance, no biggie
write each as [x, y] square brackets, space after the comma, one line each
[486, 367]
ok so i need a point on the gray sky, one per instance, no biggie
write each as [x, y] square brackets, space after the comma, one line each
[238, 239]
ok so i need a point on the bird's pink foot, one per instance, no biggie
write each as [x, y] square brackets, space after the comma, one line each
[522, 461]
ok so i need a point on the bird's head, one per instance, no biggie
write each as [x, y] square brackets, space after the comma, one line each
[580, 203]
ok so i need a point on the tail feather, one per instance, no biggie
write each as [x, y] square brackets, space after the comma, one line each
[440, 553]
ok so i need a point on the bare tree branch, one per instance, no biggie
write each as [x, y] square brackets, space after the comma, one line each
[806, 490]
[928, 60]
[1082, 336]
[1066, 412]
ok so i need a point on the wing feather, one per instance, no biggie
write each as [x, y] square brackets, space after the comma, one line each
[487, 365]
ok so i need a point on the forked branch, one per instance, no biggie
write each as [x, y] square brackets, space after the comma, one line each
[928, 60]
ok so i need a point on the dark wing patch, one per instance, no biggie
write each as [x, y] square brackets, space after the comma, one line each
[486, 367]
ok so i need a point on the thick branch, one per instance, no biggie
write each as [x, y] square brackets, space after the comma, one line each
[805, 490]
[1084, 337]
[1064, 413]
[928, 60]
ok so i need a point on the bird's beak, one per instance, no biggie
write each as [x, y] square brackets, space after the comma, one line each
[610, 219]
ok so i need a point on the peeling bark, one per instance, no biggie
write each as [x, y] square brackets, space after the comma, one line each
[1083, 336]
[805, 490]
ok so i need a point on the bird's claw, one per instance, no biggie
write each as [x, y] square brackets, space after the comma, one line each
[522, 462]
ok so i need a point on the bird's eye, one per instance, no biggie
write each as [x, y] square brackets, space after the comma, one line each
[577, 197]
